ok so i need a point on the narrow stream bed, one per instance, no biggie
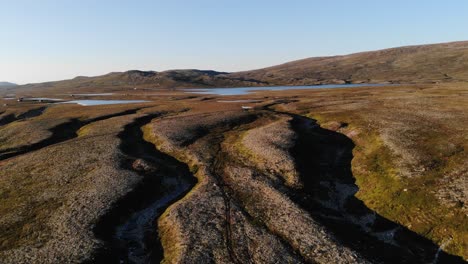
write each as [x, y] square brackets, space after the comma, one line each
[129, 230]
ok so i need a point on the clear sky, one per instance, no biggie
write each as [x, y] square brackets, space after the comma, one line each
[44, 40]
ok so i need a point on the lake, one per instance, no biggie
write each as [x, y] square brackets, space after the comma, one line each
[92, 94]
[247, 90]
[104, 102]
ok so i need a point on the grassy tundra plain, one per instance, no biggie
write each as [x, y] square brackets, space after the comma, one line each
[349, 175]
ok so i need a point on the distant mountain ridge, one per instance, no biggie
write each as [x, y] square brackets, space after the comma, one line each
[7, 84]
[446, 62]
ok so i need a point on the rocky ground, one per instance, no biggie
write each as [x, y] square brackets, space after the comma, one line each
[362, 175]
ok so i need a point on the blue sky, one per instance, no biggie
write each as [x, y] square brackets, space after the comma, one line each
[51, 40]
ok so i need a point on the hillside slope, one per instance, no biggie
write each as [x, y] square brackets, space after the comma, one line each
[117, 81]
[424, 63]
[447, 62]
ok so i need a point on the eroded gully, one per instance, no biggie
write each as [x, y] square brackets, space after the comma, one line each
[60, 133]
[323, 160]
[129, 229]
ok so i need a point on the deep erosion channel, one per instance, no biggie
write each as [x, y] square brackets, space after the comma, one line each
[323, 159]
[129, 230]
[60, 133]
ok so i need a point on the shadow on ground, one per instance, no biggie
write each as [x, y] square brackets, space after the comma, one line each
[60, 133]
[323, 159]
[129, 230]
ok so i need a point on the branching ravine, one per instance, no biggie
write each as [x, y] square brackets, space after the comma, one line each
[130, 232]
[129, 229]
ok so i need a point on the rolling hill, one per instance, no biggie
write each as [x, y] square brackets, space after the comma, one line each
[423, 63]
[446, 62]
[147, 79]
